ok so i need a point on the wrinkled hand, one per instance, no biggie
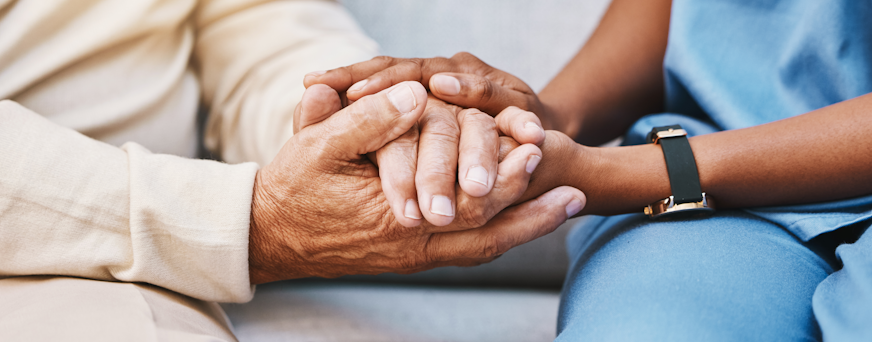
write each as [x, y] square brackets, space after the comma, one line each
[419, 169]
[318, 208]
[463, 80]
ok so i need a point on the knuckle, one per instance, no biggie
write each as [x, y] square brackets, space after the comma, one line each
[323, 149]
[513, 118]
[347, 73]
[411, 264]
[320, 149]
[373, 107]
[366, 111]
[433, 175]
[383, 59]
[409, 70]
[471, 63]
[485, 90]
[474, 214]
[493, 247]
[515, 111]
[429, 63]
[464, 56]
[391, 230]
[371, 114]
[540, 221]
[429, 253]
[478, 151]
[481, 120]
[442, 127]
[406, 146]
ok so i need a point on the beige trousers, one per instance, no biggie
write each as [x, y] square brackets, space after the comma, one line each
[43, 308]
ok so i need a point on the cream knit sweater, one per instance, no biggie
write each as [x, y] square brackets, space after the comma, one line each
[80, 77]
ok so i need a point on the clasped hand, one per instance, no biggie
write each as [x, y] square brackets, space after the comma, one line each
[374, 187]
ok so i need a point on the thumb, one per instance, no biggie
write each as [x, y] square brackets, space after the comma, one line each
[373, 121]
[318, 103]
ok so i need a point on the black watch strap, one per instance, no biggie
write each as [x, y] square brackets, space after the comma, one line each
[680, 164]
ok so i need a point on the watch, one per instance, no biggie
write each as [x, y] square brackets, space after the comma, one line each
[687, 197]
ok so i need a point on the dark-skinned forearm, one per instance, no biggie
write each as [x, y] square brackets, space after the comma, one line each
[616, 77]
[616, 180]
[819, 156]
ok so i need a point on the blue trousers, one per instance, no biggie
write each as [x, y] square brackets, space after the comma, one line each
[729, 277]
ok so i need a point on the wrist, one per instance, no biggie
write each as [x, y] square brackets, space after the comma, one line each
[555, 117]
[266, 262]
[620, 180]
[257, 243]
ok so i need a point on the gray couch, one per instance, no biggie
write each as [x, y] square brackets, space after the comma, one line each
[514, 298]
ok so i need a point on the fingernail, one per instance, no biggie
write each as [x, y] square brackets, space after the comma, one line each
[411, 210]
[316, 73]
[441, 205]
[446, 85]
[532, 163]
[357, 86]
[403, 99]
[573, 207]
[477, 174]
[532, 126]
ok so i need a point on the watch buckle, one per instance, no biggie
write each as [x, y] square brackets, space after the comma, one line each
[670, 133]
[668, 206]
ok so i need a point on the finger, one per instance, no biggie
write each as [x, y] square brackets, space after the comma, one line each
[397, 164]
[317, 104]
[371, 122]
[478, 152]
[474, 91]
[406, 70]
[342, 78]
[521, 125]
[421, 70]
[512, 180]
[415, 69]
[457, 262]
[437, 164]
[511, 228]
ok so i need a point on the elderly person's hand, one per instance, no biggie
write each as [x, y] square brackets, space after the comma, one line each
[319, 210]
[442, 145]
[467, 81]
[424, 164]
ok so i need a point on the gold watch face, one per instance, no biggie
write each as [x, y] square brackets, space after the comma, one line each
[667, 208]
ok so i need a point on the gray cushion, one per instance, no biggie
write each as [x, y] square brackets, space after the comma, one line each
[334, 311]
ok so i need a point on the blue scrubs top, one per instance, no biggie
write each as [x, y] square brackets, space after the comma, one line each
[737, 63]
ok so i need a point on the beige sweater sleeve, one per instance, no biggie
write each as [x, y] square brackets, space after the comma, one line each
[252, 56]
[74, 206]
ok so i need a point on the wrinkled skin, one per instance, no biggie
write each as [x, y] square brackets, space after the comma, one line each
[319, 210]
[442, 158]
[479, 85]
[484, 87]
